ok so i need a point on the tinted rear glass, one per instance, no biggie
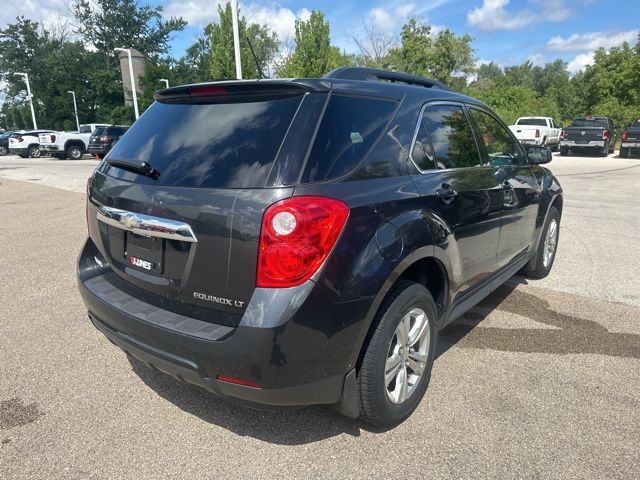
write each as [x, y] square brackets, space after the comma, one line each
[539, 122]
[590, 122]
[225, 145]
[99, 131]
[349, 128]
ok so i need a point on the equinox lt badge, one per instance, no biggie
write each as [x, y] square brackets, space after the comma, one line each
[220, 300]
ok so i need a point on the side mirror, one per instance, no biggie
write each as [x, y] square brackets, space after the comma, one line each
[539, 155]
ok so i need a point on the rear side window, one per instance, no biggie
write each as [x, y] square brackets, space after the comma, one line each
[222, 145]
[451, 137]
[349, 128]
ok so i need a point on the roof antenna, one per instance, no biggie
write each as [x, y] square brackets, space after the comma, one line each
[255, 59]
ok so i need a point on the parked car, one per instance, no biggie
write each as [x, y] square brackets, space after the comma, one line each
[4, 142]
[537, 131]
[71, 145]
[297, 242]
[104, 138]
[631, 140]
[25, 143]
[596, 134]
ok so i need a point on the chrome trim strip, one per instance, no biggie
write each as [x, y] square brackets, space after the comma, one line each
[146, 225]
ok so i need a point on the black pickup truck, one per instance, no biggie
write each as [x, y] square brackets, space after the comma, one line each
[630, 140]
[596, 134]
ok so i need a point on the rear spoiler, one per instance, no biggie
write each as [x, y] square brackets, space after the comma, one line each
[226, 89]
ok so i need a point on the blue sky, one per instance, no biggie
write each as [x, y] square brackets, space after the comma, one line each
[504, 31]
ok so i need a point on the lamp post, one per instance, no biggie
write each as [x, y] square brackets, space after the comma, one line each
[166, 82]
[133, 82]
[236, 38]
[75, 108]
[33, 112]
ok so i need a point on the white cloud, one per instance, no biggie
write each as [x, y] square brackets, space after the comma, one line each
[591, 41]
[43, 11]
[493, 14]
[537, 59]
[580, 62]
[199, 13]
[390, 19]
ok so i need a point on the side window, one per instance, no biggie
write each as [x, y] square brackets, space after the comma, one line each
[500, 146]
[422, 153]
[451, 137]
[349, 128]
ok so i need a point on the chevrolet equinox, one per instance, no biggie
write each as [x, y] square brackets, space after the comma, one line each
[284, 243]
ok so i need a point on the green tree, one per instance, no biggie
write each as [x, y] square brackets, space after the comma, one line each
[444, 56]
[264, 42]
[313, 55]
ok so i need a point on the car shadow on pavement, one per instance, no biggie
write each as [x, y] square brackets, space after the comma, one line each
[561, 333]
[568, 334]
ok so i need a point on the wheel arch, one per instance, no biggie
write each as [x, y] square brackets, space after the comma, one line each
[74, 143]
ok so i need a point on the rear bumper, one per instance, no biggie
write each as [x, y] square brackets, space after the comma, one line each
[293, 364]
[50, 148]
[634, 145]
[99, 149]
[587, 144]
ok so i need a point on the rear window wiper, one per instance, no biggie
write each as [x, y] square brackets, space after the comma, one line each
[143, 168]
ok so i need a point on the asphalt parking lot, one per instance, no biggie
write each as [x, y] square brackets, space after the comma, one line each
[541, 380]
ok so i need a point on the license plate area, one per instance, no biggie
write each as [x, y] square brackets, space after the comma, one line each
[144, 253]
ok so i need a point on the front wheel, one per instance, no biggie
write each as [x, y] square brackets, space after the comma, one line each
[540, 265]
[3, 151]
[397, 363]
[34, 152]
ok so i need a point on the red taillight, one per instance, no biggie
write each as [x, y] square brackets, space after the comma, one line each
[104, 138]
[561, 134]
[624, 135]
[20, 139]
[537, 133]
[207, 91]
[53, 139]
[238, 381]
[296, 237]
[605, 134]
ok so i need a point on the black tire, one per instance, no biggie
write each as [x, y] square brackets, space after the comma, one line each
[624, 152]
[75, 152]
[100, 155]
[612, 148]
[34, 151]
[538, 267]
[604, 151]
[3, 151]
[564, 151]
[376, 407]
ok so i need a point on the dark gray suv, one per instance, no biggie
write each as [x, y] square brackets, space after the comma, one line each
[295, 242]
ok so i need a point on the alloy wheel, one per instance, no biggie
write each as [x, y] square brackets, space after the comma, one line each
[407, 356]
[550, 243]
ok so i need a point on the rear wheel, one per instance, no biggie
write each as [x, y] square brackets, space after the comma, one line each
[540, 265]
[604, 151]
[624, 152]
[75, 152]
[34, 151]
[397, 363]
[564, 151]
[3, 151]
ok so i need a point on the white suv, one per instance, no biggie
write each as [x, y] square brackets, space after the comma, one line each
[26, 143]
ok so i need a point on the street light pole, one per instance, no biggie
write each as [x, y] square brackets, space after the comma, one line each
[75, 108]
[236, 38]
[133, 82]
[166, 82]
[33, 112]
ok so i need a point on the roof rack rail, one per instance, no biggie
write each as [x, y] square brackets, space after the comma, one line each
[374, 74]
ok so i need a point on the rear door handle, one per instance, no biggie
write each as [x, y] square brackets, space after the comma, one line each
[447, 193]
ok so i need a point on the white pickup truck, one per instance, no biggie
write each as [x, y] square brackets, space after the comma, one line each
[68, 144]
[537, 131]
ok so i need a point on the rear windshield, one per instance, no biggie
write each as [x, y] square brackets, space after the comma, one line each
[590, 122]
[224, 145]
[99, 131]
[539, 122]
